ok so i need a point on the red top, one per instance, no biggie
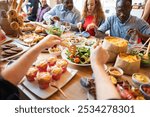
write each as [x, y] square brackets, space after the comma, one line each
[89, 20]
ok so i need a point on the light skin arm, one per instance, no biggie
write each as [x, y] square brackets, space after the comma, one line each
[49, 15]
[15, 72]
[146, 11]
[104, 87]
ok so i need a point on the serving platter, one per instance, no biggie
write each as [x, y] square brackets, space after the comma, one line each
[16, 55]
[45, 93]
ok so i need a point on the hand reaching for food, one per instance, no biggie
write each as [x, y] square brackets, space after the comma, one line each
[98, 55]
[91, 26]
[55, 18]
[79, 26]
[49, 41]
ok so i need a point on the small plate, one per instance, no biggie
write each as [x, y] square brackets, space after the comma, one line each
[16, 55]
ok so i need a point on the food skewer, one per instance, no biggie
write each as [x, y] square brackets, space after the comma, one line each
[145, 56]
[13, 5]
[18, 9]
[53, 85]
[144, 44]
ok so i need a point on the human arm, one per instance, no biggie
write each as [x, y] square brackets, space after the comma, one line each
[104, 25]
[104, 87]
[15, 72]
[146, 13]
[50, 14]
[144, 37]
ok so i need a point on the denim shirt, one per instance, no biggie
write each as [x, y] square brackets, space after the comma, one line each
[119, 29]
[64, 14]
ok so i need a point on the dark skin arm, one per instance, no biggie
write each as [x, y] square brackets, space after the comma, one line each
[140, 35]
[100, 34]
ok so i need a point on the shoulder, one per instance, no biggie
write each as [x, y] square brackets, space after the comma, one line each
[75, 11]
[113, 17]
[138, 21]
[58, 6]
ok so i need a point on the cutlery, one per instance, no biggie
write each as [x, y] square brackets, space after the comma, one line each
[53, 85]
[146, 56]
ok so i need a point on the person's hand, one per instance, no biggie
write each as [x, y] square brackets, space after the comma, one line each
[30, 10]
[133, 31]
[79, 25]
[91, 26]
[49, 41]
[55, 18]
[98, 56]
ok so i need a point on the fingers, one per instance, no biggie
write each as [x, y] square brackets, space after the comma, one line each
[55, 42]
[91, 26]
[79, 25]
[53, 37]
[130, 31]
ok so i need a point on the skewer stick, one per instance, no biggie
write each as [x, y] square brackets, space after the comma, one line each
[18, 9]
[60, 90]
[13, 5]
[144, 44]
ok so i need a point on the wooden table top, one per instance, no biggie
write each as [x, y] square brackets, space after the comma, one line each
[73, 88]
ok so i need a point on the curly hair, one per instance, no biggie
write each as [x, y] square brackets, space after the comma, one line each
[98, 11]
[124, 1]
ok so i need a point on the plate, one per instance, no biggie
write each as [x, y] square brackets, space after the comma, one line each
[23, 43]
[43, 94]
[64, 56]
[18, 54]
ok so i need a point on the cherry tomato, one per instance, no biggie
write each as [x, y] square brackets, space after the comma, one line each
[76, 60]
[71, 56]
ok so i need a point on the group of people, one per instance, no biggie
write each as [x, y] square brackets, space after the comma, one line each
[92, 18]
[93, 21]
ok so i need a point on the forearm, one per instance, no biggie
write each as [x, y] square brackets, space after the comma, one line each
[21, 66]
[144, 37]
[47, 16]
[99, 34]
[104, 87]
[146, 10]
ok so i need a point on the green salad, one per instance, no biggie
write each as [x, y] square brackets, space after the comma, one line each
[55, 31]
[144, 62]
[82, 55]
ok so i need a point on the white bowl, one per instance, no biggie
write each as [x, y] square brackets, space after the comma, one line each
[115, 71]
[137, 80]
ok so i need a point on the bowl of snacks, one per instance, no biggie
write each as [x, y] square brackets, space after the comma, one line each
[115, 71]
[139, 79]
[145, 90]
[140, 53]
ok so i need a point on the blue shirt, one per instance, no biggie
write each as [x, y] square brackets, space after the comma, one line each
[64, 14]
[118, 29]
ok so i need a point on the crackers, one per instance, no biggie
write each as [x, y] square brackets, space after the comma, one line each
[10, 50]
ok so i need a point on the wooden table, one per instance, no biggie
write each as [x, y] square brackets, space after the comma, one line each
[73, 88]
